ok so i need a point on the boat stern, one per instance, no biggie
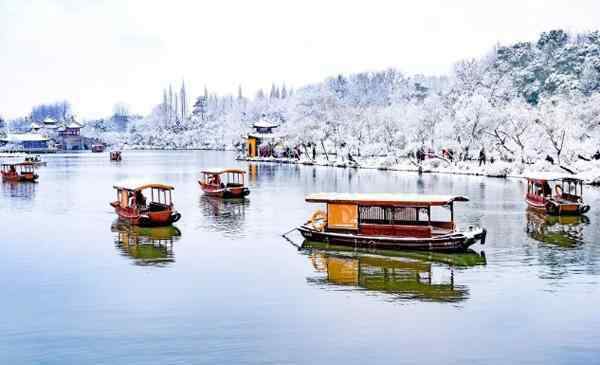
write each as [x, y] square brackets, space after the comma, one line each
[475, 233]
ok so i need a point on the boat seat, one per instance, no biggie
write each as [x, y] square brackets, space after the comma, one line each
[156, 207]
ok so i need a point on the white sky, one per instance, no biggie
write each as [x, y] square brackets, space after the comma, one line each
[95, 53]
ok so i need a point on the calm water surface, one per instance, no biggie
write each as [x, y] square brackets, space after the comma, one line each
[225, 287]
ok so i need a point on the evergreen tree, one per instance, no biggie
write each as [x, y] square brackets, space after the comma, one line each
[170, 110]
[201, 107]
[183, 101]
[283, 92]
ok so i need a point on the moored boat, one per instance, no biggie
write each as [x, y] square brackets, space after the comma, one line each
[98, 147]
[147, 205]
[115, 155]
[224, 183]
[556, 194]
[23, 171]
[389, 221]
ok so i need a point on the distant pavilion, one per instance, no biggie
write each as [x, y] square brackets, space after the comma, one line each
[263, 133]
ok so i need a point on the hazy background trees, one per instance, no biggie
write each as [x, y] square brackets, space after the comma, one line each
[521, 101]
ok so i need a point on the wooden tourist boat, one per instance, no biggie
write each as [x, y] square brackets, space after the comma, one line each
[389, 221]
[224, 183]
[115, 155]
[98, 147]
[556, 194]
[132, 205]
[23, 171]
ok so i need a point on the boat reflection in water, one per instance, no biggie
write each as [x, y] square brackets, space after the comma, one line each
[408, 275]
[224, 215]
[563, 231]
[147, 246]
[14, 189]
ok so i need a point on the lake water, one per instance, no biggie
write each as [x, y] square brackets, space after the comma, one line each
[225, 287]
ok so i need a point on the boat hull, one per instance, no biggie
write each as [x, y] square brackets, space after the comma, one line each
[226, 193]
[20, 177]
[556, 208]
[456, 242]
[147, 219]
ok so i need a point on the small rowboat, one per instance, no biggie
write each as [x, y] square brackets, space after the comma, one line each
[563, 198]
[224, 183]
[388, 221]
[115, 155]
[98, 148]
[132, 205]
[23, 171]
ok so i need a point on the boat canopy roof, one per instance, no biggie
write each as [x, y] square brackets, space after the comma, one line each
[139, 186]
[553, 176]
[223, 171]
[385, 199]
[25, 163]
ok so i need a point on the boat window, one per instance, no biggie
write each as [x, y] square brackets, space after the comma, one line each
[546, 189]
[391, 215]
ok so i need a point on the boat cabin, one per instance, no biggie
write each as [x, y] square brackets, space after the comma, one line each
[556, 194]
[400, 215]
[223, 178]
[132, 196]
[145, 204]
[23, 171]
[98, 147]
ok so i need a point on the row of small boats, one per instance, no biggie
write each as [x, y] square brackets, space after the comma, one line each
[382, 221]
[151, 204]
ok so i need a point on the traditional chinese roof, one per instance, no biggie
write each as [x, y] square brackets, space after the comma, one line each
[74, 125]
[49, 120]
[264, 124]
[385, 199]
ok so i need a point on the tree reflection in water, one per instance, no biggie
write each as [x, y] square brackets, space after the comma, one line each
[147, 246]
[400, 275]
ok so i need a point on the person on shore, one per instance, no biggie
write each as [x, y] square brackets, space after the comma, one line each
[314, 152]
[482, 157]
[420, 154]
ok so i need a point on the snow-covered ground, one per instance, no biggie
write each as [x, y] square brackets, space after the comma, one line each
[588, 171]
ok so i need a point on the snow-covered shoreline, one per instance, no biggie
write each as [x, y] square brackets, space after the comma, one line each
[588, 171]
